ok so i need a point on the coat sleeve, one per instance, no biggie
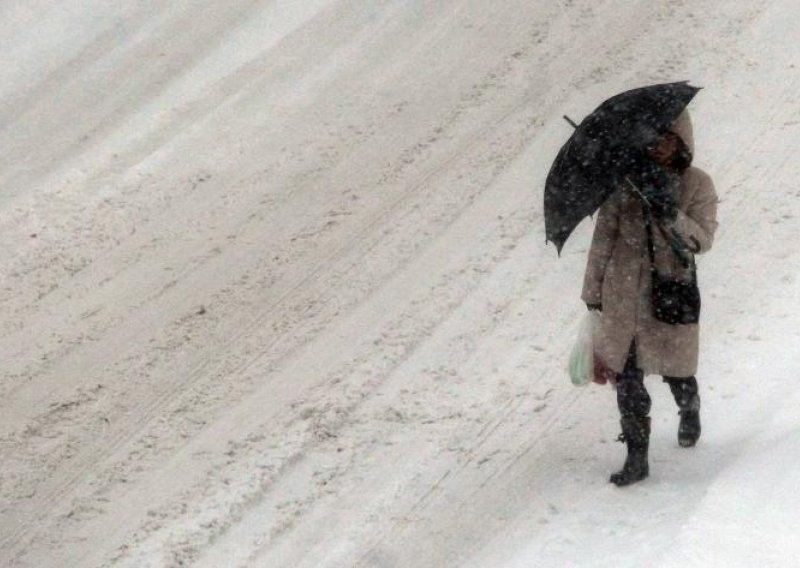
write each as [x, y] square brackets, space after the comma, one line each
[698, 222]
[605, 234]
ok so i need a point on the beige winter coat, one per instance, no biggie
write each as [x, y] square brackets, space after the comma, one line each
[618, 277]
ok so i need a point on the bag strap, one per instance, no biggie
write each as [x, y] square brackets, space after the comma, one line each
[648, 225]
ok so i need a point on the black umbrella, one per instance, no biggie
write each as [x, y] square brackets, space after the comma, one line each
[607, 146]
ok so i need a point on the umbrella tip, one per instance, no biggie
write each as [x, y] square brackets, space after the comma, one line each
[557, 245]
[568, 119]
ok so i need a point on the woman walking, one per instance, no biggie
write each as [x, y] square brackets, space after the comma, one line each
[651, 229]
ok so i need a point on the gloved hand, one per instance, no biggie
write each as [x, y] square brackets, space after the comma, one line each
[662, 203]
[593, 307]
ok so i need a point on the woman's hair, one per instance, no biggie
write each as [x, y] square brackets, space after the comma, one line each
[682, 158]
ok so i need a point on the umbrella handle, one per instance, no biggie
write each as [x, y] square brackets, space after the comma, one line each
[676, 242]
[636, 190]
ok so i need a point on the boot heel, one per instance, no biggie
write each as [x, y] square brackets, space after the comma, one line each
[689, 428]
[685, 392]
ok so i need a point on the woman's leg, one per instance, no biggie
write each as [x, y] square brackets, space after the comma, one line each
[687, 398]
[632, 396]
[634, 406]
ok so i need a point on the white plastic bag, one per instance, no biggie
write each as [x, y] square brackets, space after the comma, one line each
[581, 358]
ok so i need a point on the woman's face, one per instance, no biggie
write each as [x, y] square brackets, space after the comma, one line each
[664, 149]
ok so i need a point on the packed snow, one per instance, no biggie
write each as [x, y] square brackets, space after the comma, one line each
[275, 291]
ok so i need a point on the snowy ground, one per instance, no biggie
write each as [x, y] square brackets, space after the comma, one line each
[275, 293]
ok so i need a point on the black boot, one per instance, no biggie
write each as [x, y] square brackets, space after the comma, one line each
[636, 434]
[687, 398]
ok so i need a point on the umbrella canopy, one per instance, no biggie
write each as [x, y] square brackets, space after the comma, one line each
[606, 146]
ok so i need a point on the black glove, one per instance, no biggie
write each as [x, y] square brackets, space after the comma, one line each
[593, 307]
[662, 203]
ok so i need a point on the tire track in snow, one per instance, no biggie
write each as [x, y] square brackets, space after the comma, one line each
[426, 182]
[145, 414]
[350, 423]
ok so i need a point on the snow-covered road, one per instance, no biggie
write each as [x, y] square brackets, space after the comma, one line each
[274, 290]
